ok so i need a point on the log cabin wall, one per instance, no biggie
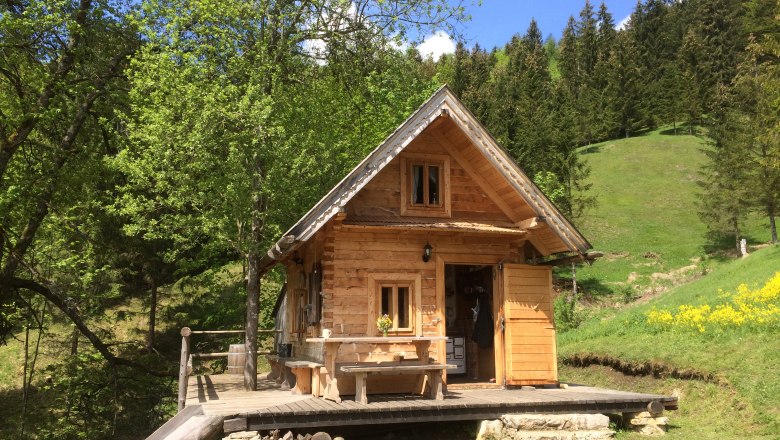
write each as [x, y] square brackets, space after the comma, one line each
[299, 278]
[382, 196]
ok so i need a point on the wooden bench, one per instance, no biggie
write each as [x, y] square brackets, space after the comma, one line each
[277, 367]
[307, 376]
[361, 372]
[279, 372]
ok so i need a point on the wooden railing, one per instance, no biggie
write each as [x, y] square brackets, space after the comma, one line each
[185, 361]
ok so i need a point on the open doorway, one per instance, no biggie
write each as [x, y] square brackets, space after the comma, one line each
[469, 324]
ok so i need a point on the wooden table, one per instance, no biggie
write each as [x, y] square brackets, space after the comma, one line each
[421, 346]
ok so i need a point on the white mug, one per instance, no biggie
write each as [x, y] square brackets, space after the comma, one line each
[326, 333]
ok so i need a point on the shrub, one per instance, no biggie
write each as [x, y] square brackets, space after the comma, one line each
[567, 316]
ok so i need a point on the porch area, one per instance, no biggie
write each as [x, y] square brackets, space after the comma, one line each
[271, 407]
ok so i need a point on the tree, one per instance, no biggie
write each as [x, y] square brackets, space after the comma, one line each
[61, 71]
[756, 111]
[606, 104]
[214, 90]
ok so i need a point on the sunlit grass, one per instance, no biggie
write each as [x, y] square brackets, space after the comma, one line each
[646, 220]
[747, 360]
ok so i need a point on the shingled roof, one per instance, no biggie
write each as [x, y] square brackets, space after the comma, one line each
[442, 103]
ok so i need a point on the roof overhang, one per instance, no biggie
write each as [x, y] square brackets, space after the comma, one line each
[442, 104]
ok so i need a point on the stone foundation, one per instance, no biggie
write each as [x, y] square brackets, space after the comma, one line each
[547, 427]
[646, 423]
[277, 435]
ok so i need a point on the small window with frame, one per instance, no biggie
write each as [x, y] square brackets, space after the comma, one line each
[398, 296]
[425, 185]
[395, 302]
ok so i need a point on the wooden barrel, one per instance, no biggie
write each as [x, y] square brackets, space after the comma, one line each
[236, 359]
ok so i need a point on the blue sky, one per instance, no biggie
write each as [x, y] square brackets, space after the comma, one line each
[495, 21]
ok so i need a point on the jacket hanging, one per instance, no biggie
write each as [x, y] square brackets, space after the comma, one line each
[483, 327]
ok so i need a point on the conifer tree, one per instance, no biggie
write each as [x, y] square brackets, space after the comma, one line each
[607, 124]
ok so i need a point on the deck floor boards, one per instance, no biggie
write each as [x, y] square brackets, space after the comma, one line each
[271, 407]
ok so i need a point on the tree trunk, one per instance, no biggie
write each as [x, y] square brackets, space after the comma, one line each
[772, 223]
[253, 286]
[74, 341]
[24, 375]
[152, 316]
[252, 305]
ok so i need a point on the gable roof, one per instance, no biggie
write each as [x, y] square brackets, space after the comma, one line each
[442, 103]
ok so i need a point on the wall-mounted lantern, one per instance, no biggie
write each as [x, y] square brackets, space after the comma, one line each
[427, 251]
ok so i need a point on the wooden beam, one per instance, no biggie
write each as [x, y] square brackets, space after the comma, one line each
[531, 223]
[588, 257]
[402, 227]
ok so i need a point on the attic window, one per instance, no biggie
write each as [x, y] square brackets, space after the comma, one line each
[425, 185]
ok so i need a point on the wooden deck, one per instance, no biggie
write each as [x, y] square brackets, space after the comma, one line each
[272, 408]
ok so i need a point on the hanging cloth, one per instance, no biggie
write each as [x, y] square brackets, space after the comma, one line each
[483, 327]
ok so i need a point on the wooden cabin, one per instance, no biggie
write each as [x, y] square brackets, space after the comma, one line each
[439, 229]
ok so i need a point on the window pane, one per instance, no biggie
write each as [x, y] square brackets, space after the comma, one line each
[403, 307]
[433, 185]
[417, 185]
[387, 295]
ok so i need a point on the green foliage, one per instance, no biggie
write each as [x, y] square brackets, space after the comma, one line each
[89, 400]
[743, 174]
[732, 355]
[551, 186]
[567, 314]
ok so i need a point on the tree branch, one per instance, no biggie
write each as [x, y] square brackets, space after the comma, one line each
[16, 253]
[12, 143]
[73, 314]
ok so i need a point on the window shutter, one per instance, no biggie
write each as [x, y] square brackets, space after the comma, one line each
[315, 293]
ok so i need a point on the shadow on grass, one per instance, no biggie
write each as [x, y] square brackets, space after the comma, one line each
[723, 247]
[591, 149]
[593, 288]
[11, 409]
[685, 129]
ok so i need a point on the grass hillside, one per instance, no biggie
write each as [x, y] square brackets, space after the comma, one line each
[646, 220]
[739, 400]
[646, 223]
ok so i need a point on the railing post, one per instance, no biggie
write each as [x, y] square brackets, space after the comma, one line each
[183, 363]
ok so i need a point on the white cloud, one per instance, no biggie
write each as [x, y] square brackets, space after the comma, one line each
[623, 23]
[436, 45]
[316, 49]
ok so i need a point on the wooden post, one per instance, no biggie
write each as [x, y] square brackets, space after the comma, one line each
[183, 361]
[360, 388]
[574, 278]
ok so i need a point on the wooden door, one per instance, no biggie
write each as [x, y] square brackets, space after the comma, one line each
[529, 332]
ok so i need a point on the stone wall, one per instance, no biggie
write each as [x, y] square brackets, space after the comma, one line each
[547, 427]
[278, 435]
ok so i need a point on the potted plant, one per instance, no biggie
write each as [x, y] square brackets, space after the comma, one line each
[383, 324]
